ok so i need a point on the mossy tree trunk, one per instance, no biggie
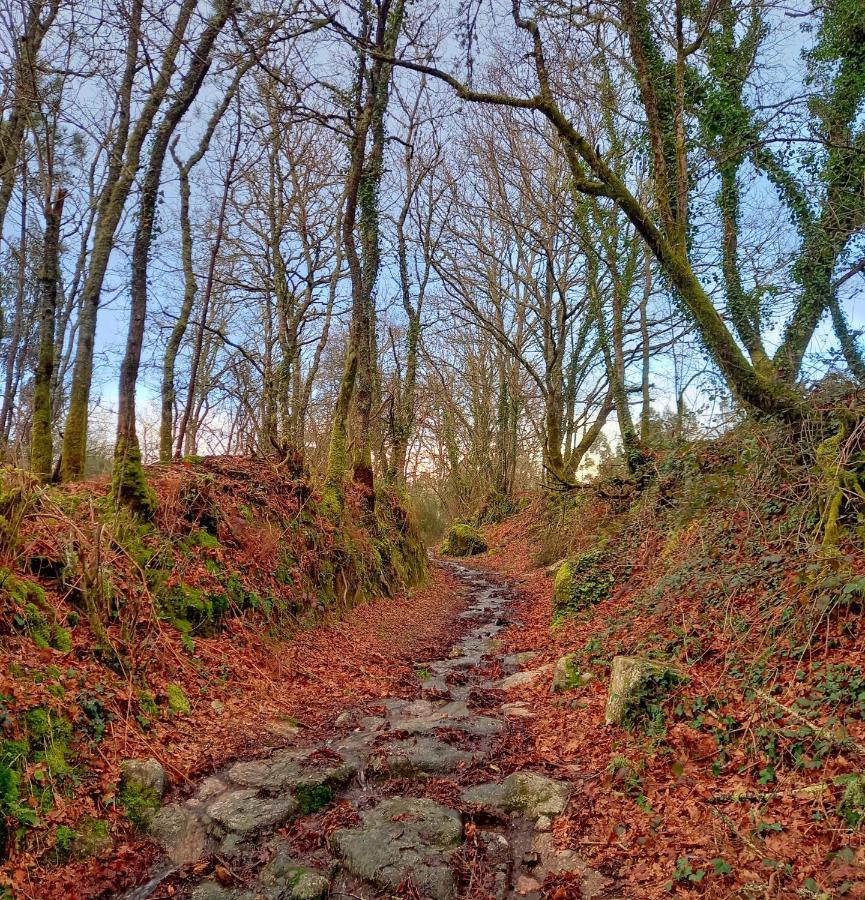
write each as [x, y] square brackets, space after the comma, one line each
[129, 484]
[41, 437]
[123, 164]
[21, 95]
[371, 92]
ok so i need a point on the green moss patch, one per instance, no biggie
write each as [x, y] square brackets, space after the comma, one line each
[581, 582]
[463, 540]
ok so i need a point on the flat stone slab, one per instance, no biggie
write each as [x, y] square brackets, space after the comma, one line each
[527, 793]
[245, 810]
[400, 838]
[452, 715]
[521, 679]
[291, 769]
[419, 756]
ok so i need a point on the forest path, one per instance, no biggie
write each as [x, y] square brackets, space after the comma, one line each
[406, 801]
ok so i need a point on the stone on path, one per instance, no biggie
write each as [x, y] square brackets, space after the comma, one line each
[245, 811]
[287, 879]
[291, 769]
[567, 676]
[400, 838]
[521, 679]
[527, 793]
[180, 833]
[419, 756]
[452, 715]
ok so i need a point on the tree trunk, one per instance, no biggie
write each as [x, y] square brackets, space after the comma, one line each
[41, 437]
[129, 484]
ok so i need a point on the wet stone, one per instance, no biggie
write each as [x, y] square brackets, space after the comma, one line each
[213, 890]
[180, 833]
[451, 715]
[419, 756]
[287, 879]
[527, 793]
[290, 769]
[404, 837]
[245, 811]
[521, 679]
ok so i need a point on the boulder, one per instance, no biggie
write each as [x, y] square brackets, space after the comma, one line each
[213, 890]
[404, 837]
[527, 793]
[581, 582]
[146, 775]
[635, 683]
[521, 679]
[463, 540]
[288, 879]
[290, 770]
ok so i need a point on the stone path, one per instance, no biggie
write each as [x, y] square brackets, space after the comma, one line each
[477, 835]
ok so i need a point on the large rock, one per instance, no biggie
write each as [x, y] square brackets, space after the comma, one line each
[180, 833]
[213, 890]
[527, 793]
[291, 769]
[404, 837]
[463, 540]
[419, 756]
[523, 678]
[581, 582]
[635, 683]
[145, 775]
[245, 811]
[452, 715]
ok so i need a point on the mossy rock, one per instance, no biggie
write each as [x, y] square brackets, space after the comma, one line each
[139, 802]
[91, 838]
[581, 582]
[463, 540]
[638, 687]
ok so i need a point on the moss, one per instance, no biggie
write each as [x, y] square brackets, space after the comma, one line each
[129, 484]
[63, 838]
[463, 540]
[203, 539]
[643, 706]
[851, 808]
[139, 803]
[178, 702]
[192, 610]
[34, 613]
[581, 582]
[313, 797]
[91, 838]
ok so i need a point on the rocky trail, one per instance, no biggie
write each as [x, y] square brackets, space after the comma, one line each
[405, 800]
